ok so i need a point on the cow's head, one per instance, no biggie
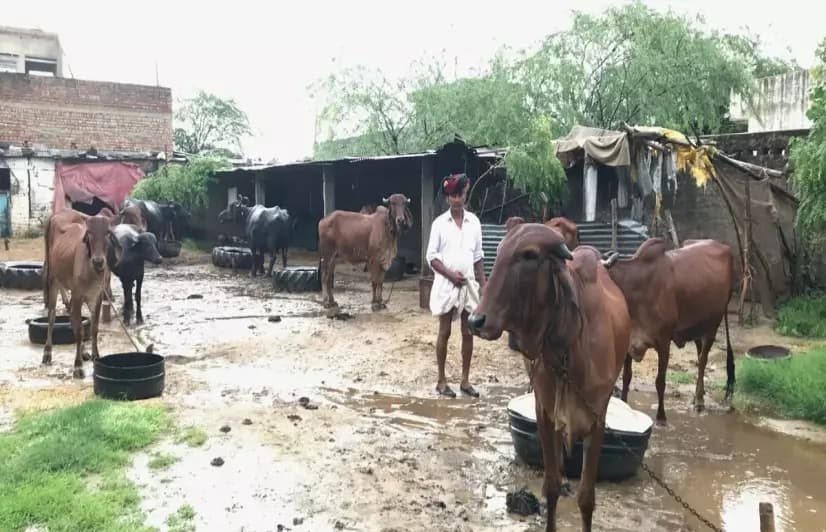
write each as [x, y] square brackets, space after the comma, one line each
[137, 245]
[399, 213]
[97, 238]
[237, 211]
[529, 292]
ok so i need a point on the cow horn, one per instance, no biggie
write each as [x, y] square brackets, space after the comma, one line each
[408, 200]
[385, 200]
[562, 251]
[612, 258]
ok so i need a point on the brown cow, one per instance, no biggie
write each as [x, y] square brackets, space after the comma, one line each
[568, 229]
[356, 238]
[572, 321]
[75, 260]
[679, 295]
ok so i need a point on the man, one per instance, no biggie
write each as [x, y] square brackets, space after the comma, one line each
[455, 255]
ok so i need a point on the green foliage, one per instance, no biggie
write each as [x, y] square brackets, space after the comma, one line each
[631, 63]
[162, 461]
[808, 159]
[182, 520]
[791, 387]
[184, 183]
[803, 316]
[64, 470]
[679, 377]
[209, 123]
[192, 436]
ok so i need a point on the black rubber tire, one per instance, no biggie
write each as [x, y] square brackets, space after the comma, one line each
[297, 279]
[61, 333]
[169, 248]
[22, 275]
[225, 256]
[129, 376]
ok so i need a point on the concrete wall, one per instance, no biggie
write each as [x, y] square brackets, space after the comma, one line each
[39, 172]
[764, 148]
[781, 103]
[33, 44]
[59, 112]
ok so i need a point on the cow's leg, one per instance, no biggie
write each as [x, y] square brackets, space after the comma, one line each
[627, 372]
[703, 347]
[95, 317]
[51, 303]
[331, 276]
[138, 285]
[77, 328]
[586, 496]
[127, 285]
[376, 275]
[272, 263]
[284, 251]
[552, 482]
[254, 268]
[663, 354]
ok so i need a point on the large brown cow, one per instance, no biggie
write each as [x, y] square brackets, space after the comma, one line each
[679, 295]
[572, 320]
[75, 260]
[357, 238]
[568, 229]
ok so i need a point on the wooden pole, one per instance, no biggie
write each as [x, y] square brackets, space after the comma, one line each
[614, 223]
[671, 229]
[766, 517]
[746, 259]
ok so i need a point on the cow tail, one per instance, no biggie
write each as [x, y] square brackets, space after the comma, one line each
[45, 274]
[729, 361]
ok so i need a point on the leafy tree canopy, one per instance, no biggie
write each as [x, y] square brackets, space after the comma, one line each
[183, 183]
[210, 124]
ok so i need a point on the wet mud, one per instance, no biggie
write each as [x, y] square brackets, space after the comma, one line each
[336, 424]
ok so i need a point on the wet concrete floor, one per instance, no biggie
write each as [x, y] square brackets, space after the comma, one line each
[382, 451]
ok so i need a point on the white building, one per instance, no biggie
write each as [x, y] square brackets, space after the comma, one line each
[781, 103]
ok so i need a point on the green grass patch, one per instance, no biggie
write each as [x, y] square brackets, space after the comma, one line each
[679, 377]
[64, 470]
[161, 461]
[192, 244]
[803, 316]
[182, 520]
[793, 387]
[192, 436]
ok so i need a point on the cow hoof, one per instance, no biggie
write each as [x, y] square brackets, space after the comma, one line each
[78, 373]
[661, 422]
[378, 306]
[699, 407]
[47, 359]
[139, 321]
[86, 356]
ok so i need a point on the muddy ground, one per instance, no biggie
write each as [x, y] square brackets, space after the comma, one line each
[382, 451]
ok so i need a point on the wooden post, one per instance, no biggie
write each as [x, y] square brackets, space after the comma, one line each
[766, 517]
[746, 258]
[426, 211]
[671, 229]
[614, 223]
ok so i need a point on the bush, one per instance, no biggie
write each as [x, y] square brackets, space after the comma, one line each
[792, 387]
[186, 184]
[803, 316]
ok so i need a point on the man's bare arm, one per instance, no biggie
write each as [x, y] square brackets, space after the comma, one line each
[454, 277]
[479, 271]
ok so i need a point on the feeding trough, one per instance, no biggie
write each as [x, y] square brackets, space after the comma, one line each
[623, 424]
[768, 352]
[61, 331]
[129, 376]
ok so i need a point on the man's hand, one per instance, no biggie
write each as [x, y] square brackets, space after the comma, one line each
[458, 278]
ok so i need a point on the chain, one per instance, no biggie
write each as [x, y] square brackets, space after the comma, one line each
[117, 315]
[562, 374]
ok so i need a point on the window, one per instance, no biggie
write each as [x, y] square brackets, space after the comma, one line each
[5, 179]
[8, 63]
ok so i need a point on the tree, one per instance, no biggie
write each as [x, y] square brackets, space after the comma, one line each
[808, 159]
[209, 123]
[183, 183]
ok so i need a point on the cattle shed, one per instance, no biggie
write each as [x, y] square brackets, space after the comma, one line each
[311, 189]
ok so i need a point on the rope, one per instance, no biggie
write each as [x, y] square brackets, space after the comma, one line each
[562, 374]
[123, 325]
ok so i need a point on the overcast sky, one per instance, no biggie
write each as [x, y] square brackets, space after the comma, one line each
[264, 54]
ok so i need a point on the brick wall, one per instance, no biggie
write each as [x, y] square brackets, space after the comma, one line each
[764, 148]
[57, 112]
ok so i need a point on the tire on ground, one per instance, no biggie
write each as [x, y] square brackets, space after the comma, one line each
[22, 275]
[226, 256]
[169, 248]
[297, 279]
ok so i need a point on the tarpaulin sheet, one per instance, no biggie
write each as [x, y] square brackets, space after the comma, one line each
[110, 181]
[603, 145]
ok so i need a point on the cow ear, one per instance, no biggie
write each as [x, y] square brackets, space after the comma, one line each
[113, 241]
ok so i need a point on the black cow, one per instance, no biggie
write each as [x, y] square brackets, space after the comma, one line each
[137, 247]
[162, 219]
[268, 230]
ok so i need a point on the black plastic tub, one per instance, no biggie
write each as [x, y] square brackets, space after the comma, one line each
[61, 332]
[129, 376]
[615, 461]
[169, 248]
